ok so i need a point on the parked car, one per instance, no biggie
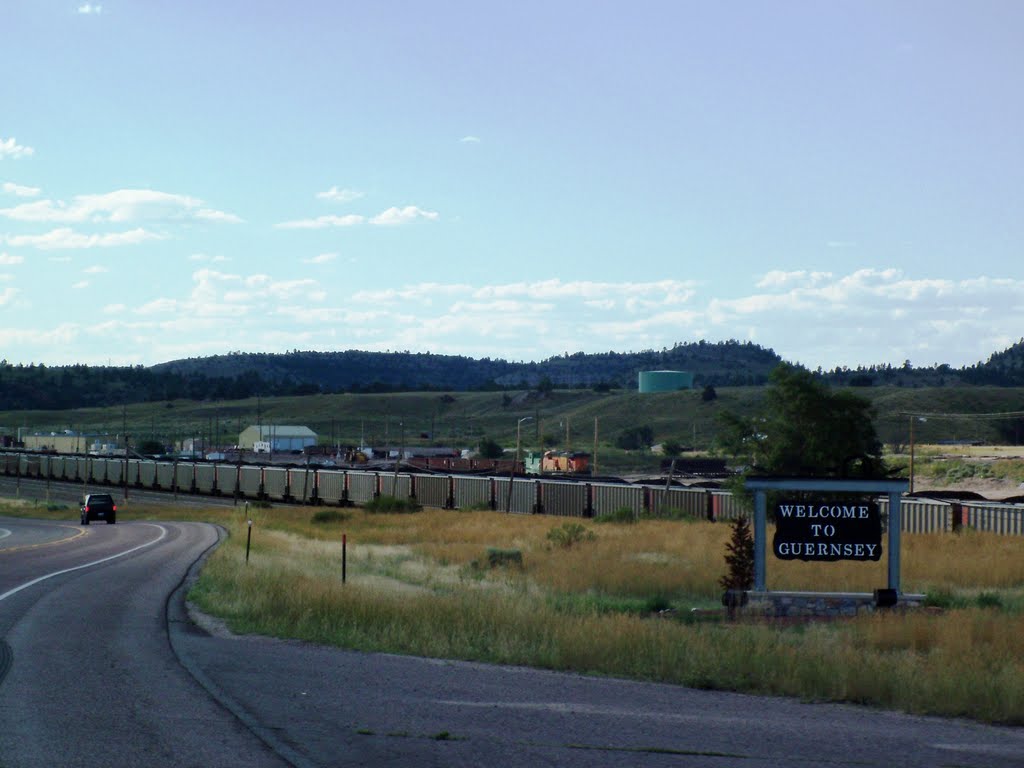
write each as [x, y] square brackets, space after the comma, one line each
[99, 506]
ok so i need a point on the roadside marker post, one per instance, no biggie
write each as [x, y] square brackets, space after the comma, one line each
[248, 541]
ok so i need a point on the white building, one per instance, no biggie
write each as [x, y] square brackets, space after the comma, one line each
[278, 437]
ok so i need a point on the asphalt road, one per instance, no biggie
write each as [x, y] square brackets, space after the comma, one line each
[104, 668]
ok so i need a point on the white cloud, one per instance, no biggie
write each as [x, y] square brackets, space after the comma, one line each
[423, 292]
[322, 258]
[88, 9]
[8, 259]
[303, 313]
[395, 216]
[320, 222]
[861, 316]
[6, 296]
[119, 206]
[80, 285]
[469, 140]
[158, 307]
[10, 188]
[337, 195]
[96, 269]
[208, 214]
[66, 238]
[11, 148]
[65, 333]
[778, 279]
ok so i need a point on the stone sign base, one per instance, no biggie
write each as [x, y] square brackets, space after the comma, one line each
[827, 605]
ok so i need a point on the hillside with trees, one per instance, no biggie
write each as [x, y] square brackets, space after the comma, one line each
[239, 375]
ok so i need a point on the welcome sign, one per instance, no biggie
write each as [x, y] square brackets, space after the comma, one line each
[828, 530]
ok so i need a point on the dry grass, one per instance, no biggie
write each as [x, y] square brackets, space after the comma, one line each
[413, 590]
[964, 663]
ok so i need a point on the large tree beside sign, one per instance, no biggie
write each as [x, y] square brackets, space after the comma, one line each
[805, 428]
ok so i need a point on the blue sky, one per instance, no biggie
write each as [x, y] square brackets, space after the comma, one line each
[842, 182]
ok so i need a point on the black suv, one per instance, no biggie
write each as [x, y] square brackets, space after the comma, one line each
[99, 506]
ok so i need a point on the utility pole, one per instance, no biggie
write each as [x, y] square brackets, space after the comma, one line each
[124, 431]
[515, 463]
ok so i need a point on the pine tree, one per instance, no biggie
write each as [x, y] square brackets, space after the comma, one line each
[739, 557]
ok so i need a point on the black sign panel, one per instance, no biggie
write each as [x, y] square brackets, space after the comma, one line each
[828, 530]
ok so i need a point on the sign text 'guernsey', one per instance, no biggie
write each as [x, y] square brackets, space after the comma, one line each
[828, 530]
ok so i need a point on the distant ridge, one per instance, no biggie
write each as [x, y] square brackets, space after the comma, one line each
[729, 363]
[241, 375]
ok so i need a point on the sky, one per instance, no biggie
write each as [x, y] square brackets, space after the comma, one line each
[840, 182]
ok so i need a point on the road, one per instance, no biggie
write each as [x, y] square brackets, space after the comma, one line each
[104, 668]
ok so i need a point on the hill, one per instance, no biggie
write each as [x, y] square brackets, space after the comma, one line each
[239, 375]
[730, 363]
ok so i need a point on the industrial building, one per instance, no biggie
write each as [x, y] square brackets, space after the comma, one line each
[276, 438]
[69, 441]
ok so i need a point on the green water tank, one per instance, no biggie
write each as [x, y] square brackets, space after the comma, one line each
[665, 381]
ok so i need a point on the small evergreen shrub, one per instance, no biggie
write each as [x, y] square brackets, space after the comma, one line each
[568, 535]
[389, 505]
[943, 598]
[620, 515]
[989, 600]
[657, 603]
[739, 557]
[329, 516]
[498, 558]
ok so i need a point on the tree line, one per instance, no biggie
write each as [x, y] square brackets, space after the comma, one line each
[237, 375]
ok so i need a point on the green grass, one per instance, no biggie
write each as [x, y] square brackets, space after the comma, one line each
[680, 416]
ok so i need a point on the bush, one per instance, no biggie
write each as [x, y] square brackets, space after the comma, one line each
[943, 598]
[569, 534]
[672, 448]
[620, 515]
[635, 438]
[989, 600]
[392, 506]
[329, 516]
[490, 449]
[497, 558]
[657, 603]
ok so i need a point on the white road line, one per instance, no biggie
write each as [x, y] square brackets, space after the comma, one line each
[27, 584]
[4, 533]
